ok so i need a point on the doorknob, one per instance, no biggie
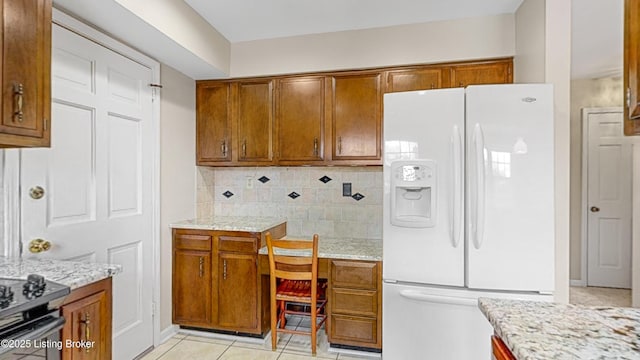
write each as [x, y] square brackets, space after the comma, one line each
[36, 192]
[595, 209]
[39, 245]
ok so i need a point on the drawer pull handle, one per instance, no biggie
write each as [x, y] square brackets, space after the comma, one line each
[224, 269]
[223, 147]
[315, 146]
[18, 93]
[244, 148]
[201, 265]
[339, 144]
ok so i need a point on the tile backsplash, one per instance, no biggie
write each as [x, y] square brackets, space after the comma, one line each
[310, 198]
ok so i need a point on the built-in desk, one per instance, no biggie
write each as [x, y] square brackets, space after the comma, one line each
[353, 268]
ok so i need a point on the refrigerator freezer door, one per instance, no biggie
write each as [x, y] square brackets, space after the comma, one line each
[510, 199]
[427, 126]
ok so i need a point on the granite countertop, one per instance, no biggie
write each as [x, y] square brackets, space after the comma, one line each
[230, 223]
[538, 330]
[341, 248]
[71, 273]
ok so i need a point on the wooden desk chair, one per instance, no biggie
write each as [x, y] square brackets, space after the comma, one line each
[294, 278]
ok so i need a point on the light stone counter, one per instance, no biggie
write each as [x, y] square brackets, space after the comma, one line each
[71, 273]
[341, 248]
[230, 223]
[540, 331]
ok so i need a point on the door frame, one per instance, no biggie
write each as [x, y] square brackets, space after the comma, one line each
[584, 214]
[11, 161]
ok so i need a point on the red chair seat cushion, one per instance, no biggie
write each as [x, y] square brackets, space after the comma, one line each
[300, 288]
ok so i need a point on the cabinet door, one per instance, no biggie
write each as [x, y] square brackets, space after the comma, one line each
[26, 72]
[213, 123]
[300, 119]
[255, 120]
[86, 322]
[498, 72]
[414, 79]
[192, 287]
[238, 291]
[357, 116]
[632, 67]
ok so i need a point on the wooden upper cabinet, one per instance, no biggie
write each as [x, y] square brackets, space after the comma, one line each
[26, 73]
[300, 119]
[357, 116]
[632, 67]
[495, 72]
[414, 79]
[213, 122]
[254, 114]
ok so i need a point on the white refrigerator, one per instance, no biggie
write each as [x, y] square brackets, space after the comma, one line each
[468, 212]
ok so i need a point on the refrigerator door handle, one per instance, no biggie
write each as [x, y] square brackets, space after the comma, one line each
[419, 296]
[480, 188]
[457, 206]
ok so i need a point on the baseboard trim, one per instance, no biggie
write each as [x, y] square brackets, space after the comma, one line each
[580, 283]
[169, 332]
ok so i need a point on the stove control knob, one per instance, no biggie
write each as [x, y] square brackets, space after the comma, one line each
[6, 294]
[34, 287]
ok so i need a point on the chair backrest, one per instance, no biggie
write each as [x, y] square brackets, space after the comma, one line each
[294, 261]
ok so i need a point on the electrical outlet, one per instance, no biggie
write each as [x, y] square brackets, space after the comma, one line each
[249, 184]
[346, 189]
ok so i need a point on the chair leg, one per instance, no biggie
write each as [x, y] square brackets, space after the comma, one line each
[274, 324]
[282, 305]
[314, 334]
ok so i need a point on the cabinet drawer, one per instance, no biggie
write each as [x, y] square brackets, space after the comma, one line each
[354, 302]
[353, 330]
[192, 242]
[239, 244]
[354, 274]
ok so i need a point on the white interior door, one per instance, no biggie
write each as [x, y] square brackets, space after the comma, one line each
[608, 171]
[97, 178]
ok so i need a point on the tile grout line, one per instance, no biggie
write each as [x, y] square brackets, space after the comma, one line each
[171, 348]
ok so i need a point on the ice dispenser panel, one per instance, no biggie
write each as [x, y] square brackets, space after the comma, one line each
[413, 193]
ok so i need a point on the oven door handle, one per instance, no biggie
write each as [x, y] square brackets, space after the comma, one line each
[45, 330]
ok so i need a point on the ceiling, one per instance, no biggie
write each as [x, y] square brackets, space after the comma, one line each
[243, 20]
[596, 24]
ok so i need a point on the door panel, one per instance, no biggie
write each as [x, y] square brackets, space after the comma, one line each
[97, 178]
[608, 171]
[237, 291]
[255, 121]
[426, 125]
[510, 202]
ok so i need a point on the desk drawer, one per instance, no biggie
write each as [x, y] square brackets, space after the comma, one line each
[238, 244]
[354, 274]
[192, 242]
[354, 330]
[354, 302]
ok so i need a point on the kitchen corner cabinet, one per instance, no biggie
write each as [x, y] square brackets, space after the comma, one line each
[87, 311]
[632, 67]
[356, 117]
[355, 303]
[479, 73]
[26, 73]
[301, 120]
[215, 280]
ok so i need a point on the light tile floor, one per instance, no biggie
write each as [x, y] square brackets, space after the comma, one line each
[199, 345]
[598, 296]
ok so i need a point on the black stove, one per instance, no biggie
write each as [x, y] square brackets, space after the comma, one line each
[29, 310]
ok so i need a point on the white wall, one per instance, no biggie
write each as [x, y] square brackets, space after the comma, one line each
[177, 170]
[472, 38]
[530, 42]
[557, 72]
[605, 92]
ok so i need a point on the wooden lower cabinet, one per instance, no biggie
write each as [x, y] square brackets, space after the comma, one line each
[500, 350]
[216, 283]
[355, 303]
[87, 311]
